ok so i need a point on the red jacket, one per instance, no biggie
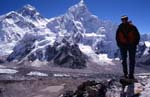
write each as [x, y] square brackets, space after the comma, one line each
[127, 34]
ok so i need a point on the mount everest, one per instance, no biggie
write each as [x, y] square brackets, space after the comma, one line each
[15, 24]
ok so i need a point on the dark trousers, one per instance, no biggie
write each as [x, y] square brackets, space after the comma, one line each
[132, 51]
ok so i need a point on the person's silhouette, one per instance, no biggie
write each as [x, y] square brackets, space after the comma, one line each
[127, 37]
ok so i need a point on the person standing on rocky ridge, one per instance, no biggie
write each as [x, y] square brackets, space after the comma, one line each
[127, 38]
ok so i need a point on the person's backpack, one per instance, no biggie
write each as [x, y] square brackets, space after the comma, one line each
[131, 37]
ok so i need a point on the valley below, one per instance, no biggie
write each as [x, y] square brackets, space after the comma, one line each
[45, 80]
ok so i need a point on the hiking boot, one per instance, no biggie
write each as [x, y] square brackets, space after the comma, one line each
[124, 76]
[131, 76]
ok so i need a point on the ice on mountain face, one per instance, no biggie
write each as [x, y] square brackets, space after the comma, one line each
[147, 50]
[78, 25]
[102, 46]
[101, 30]
[63, 53]
[29, 7]
[6, 48]
[77, 13]
[29, 11]
[80, 12]
[147, 43]
[102, 59]
[15, 24]
[91, 39]
[82, 2]
[65, 27]
[32, 15]
[79, 20]
[143, 49]
[143, 53]
[13, 27]
[29, 42]
[21, 49]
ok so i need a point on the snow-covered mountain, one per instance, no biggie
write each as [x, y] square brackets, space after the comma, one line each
[145, 37]
[45, 48]
[32, 15]
[89, 28]
[78, 24]
[77, 13]
[144, 46]
[143, 53]
[15, 24]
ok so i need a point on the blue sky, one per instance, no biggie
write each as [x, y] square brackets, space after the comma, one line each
[137, 10]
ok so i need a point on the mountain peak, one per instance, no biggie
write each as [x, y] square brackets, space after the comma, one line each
[13, 15]
[28, 7]
[79, 8]
[29, 11]
[81, 2]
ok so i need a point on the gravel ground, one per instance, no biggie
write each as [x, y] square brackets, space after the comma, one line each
[58, 80]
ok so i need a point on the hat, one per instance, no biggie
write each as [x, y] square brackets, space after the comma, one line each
[124, 17]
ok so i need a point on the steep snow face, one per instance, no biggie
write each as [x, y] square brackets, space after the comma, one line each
[15, 24]
[143, 53]
[77, 13]
[101, 59]
[65, 27]
[30, 43]
[32, 15]
[80, 12]
[78, 21]
[45, 48]
[143, 49]
[6, 48]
